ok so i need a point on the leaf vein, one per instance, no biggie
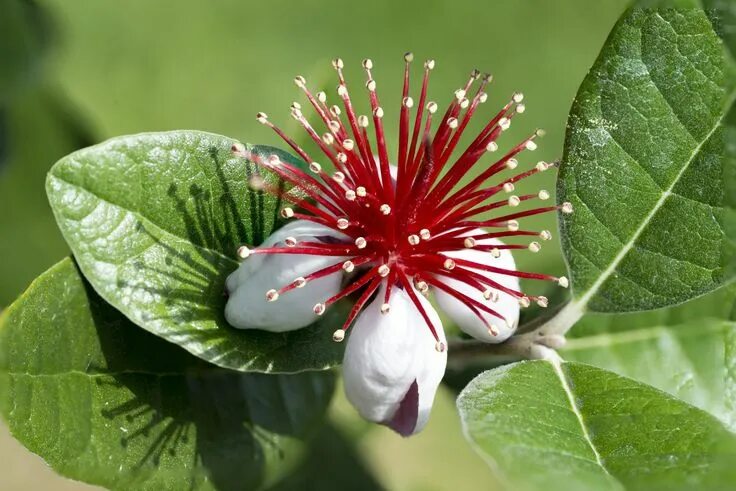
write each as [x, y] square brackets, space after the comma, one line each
[557, 367]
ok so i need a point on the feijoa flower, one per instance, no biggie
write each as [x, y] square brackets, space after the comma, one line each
[391, 234]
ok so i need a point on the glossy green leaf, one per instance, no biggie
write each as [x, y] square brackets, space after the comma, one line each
[688, 350]
[544, 426]
[646, 166]
[155, 220]
[105, 402]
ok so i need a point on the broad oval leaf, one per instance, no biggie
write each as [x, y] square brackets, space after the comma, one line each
[105, 402]
[155, 220]
[570, 426]
[646, 166]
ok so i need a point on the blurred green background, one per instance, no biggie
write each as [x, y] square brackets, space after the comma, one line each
[74, 72]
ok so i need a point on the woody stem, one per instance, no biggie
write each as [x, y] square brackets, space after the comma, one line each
[539, 339]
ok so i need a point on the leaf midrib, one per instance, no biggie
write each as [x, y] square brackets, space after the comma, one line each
[581, 302]
[604, 340]
[557, 367]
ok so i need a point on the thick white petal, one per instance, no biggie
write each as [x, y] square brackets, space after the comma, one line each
[506, 305]
[247, 307]
[391, 367]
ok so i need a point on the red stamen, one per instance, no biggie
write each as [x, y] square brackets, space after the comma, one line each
[361, 302]
[402, 232]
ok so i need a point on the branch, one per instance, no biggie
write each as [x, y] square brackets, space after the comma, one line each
[538, 339]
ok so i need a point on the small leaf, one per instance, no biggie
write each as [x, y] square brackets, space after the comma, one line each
[688, 350]
[155, 220]
[645, 166]
[105, 402]
[570, 426]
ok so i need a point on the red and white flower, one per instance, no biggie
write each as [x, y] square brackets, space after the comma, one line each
[391, 234]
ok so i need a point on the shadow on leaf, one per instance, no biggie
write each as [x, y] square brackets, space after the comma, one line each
[168, 417]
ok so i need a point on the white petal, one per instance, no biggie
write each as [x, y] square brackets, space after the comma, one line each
[247, 307]
[391, 367]
[507, 306]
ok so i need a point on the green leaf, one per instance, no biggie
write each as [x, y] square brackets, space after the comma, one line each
[722, 15]
[105, 402]
[155, 220]
[645, 166]
[688, 350]
[570, 426]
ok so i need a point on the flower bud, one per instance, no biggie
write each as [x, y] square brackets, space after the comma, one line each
[391, 368]
[251, 303]
[505, 305]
